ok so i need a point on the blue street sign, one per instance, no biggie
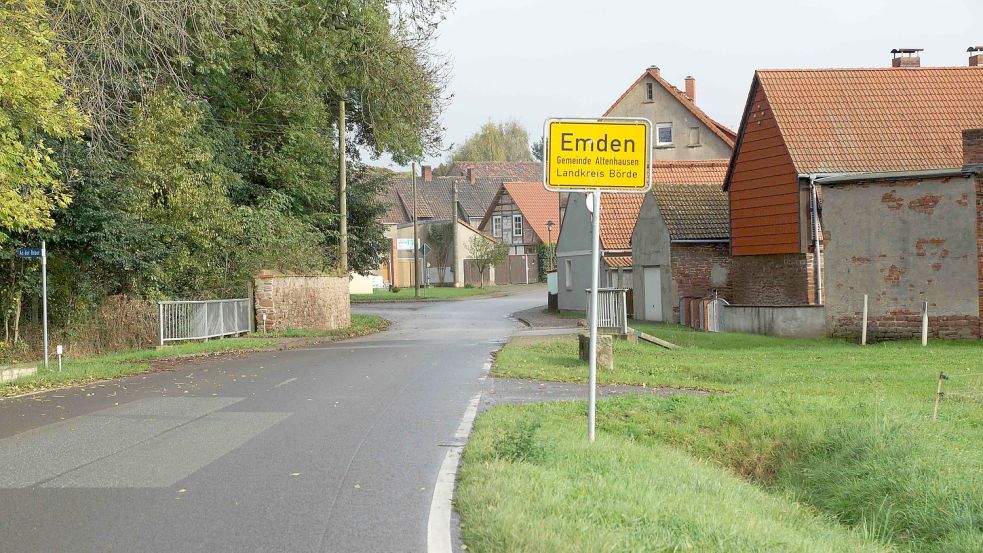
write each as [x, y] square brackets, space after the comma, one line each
[29, 253]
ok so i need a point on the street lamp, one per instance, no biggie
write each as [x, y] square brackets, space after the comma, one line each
[549, 242]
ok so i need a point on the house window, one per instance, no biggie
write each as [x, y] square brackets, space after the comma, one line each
[694, 136]
[474, 221]
[568, 273]
[517, 225]
[497, 226]
[649, 92]
[663, 134]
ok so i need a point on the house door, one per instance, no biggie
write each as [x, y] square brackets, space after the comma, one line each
[653, 293]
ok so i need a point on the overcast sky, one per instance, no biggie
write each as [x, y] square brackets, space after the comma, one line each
[530, 60]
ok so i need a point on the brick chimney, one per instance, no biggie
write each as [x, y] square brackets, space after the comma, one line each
[472, 178]
[426, 173]
[972, 147]
[975, 57]
[691, 88]
[655, 69]
[907, 57]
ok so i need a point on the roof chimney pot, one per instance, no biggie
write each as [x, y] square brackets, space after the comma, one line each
[975, 56]
[471, 176]
[426, 173]
[691, 88]
[907, 57]
[973, 147]
[655, 69]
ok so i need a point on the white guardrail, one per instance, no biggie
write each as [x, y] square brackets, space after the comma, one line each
[201, 320]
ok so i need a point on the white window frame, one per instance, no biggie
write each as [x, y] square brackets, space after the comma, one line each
[649, 91]
[568, 273]
[517, 225]
[497, 226]
[658, 135]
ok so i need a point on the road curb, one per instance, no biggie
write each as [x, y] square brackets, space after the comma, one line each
[439, 539]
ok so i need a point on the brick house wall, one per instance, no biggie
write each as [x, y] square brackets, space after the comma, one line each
[780, 279]
[698, 270]
[314, 302]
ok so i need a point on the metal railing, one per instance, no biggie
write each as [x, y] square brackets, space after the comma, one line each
[612, 309]
[201, 320]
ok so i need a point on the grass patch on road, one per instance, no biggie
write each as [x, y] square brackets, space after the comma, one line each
[842, 429]
[125, 363]
[426, 294]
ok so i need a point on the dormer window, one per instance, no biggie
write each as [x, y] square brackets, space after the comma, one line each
[649, 92]
[663, 134]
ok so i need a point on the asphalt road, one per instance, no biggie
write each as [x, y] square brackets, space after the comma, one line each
[329, 448]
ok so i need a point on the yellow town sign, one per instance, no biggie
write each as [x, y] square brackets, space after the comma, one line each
[598, 154]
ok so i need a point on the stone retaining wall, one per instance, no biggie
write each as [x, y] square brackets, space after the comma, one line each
[313, 302]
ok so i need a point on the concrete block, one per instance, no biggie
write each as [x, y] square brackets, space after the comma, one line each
[605, 350]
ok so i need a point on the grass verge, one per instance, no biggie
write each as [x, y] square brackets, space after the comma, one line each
[843, 429]
[125, 363]
[426, 294]
[530, 482]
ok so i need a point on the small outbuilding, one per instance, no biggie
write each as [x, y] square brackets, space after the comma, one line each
[680, 244]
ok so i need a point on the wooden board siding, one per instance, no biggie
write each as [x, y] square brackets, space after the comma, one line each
[764, 188]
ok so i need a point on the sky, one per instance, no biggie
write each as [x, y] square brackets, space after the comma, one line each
[529, 60]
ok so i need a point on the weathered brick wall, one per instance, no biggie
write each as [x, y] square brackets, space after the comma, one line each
[973, 156]
[904, 325]
[782, 279]
[903, 243]
[301, 302]
[698, 270]
[979, 242]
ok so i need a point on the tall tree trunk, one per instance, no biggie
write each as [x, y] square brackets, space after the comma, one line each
[17, 305]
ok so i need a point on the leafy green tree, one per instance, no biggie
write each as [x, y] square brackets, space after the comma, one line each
[506, 141]
[34, 106]
[486, 254]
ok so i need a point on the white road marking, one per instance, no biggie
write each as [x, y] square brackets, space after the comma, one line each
[441, 506]
[287, 381]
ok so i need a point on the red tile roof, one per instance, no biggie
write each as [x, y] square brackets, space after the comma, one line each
[537, 205]
[619, 213]
[873, 120]
[519, 171]
[725, 134]
[694, 211]
[689, 172]
[618, 260]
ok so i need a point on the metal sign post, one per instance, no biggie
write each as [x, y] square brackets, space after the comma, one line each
[591, 155]
[595, 269]
[42, 253]
[44, 297]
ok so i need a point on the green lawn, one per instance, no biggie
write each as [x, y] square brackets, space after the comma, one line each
[427, 294]
[114, 365]
[826, 429]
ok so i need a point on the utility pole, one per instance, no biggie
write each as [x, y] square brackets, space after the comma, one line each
[342, 193]
[416, 240]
